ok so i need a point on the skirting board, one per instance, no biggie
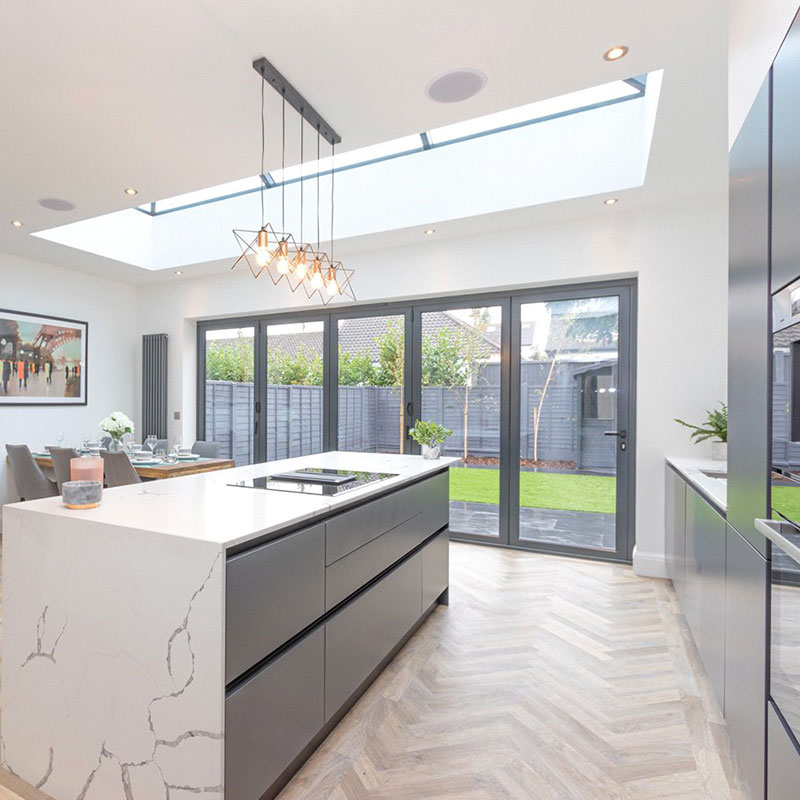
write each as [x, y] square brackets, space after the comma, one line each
[649, 565]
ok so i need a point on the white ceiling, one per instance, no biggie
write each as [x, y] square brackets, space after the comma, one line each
[161, 96]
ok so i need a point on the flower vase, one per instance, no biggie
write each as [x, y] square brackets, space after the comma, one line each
[115, 445]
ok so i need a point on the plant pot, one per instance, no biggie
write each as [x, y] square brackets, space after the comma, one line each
[719, 451]
[430, 451]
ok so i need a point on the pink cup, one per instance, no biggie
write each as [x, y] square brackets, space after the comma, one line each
[86, 469]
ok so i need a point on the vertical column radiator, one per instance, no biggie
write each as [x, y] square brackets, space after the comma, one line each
[154, 385]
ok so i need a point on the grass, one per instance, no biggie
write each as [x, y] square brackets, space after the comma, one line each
[538, 489]
[783, 497]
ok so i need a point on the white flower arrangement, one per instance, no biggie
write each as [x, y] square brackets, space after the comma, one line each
[117, 425]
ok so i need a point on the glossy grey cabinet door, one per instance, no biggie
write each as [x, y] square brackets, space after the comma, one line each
[270, 718]
[366, 630]
[435, 569]
[786, 160]
[352, 529]
[712, 594]
[692, 591]
[783, 762]
[347, 575]
[746, 596]
[436, 502]
[675, 529]
[749, 323]
[272, 592]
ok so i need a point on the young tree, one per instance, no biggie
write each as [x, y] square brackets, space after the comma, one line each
[391, 365]
[304, 368]
[578, 328]
[475, 351]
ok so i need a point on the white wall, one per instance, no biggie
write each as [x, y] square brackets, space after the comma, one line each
[110, 309]
[678, 253]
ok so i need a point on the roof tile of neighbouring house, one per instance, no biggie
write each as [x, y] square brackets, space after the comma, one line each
[360, 334]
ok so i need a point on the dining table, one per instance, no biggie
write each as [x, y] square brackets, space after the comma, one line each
[159, 471]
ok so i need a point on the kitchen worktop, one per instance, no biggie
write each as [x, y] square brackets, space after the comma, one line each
[715, 489]
[205, 508]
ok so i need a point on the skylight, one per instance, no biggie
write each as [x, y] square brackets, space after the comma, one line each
[572, 103]
[592, 142]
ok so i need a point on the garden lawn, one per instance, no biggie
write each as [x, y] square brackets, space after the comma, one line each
[538, 489]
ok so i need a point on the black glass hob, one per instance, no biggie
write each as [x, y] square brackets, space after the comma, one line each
[314, 481]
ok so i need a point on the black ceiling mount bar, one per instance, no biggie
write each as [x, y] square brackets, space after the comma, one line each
[295, 100]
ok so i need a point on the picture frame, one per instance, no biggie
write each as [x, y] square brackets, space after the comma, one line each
[43, 360]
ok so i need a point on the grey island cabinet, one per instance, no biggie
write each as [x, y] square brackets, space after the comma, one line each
[203, 636]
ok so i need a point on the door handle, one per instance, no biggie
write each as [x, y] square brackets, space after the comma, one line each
[409, 408]
[621, 434]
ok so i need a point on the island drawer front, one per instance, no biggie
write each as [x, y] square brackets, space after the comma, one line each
[435, 568]
[270, 718]
[436, 502]
[272, 592]
[364, 632]
[352, 529]
[347, 575]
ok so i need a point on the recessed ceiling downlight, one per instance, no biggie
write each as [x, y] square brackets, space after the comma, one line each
[17, 223]
[55, 204]
[611, 201]
[615, 53]
[456, 85]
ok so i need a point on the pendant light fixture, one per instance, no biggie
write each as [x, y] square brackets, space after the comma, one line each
[277, 253]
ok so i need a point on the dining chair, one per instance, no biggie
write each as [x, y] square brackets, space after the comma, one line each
[206, 449]
[61, 463]
[31, 482]
[118, 469]
[105, 442]
[161, 444]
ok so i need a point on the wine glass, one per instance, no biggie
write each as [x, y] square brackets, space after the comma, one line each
[60, 438]
[161, 453]
[150, 442]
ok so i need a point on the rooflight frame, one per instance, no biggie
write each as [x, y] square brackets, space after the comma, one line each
[638, 83]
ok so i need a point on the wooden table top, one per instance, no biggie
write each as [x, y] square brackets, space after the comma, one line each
[159, 471]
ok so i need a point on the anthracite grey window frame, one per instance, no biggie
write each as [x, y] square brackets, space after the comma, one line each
[510, 303]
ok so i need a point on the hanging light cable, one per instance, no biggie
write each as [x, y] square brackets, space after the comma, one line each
[300, 263]
[282, 264]
[263, 254]
[316, 280]
[331, 284]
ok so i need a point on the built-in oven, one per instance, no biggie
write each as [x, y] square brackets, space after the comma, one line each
[785, 627]
[785, 483]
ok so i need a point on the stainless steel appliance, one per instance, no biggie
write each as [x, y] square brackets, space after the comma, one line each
[314, 481]
[785, 483]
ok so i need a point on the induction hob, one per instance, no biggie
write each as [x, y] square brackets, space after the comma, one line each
[315, 481]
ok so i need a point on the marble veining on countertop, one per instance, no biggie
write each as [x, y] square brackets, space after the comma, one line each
[205, 508]
[694, 471]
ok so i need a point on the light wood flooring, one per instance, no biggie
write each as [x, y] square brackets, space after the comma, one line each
[546, 678]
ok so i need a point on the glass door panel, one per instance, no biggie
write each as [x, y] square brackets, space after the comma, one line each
[569, 393]
[372, 384]
[294, 395]
[230, 392]
[460, 369]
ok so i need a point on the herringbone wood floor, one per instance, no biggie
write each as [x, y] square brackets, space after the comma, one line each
[546, 678]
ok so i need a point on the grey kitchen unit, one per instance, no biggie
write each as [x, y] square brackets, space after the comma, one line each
[314, 615]
[721, 581]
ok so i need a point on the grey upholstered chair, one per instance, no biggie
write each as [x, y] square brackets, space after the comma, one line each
[29, 479]
[206, 449]
[105, 442]
[118, 469]
[161, 444]
[61, 457]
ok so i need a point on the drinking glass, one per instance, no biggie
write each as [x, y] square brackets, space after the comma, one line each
[150, 441]
[161, 453]
[60, 438]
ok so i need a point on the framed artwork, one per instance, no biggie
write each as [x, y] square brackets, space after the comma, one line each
[42, 360]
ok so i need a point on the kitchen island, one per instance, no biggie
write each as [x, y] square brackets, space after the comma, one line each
[196, 637]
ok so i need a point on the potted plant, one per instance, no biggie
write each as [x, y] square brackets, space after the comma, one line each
[715, 428]
[429, 435]
[116, 425]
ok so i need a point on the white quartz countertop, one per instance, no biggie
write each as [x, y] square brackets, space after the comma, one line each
[714, 487]
[205, 508]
